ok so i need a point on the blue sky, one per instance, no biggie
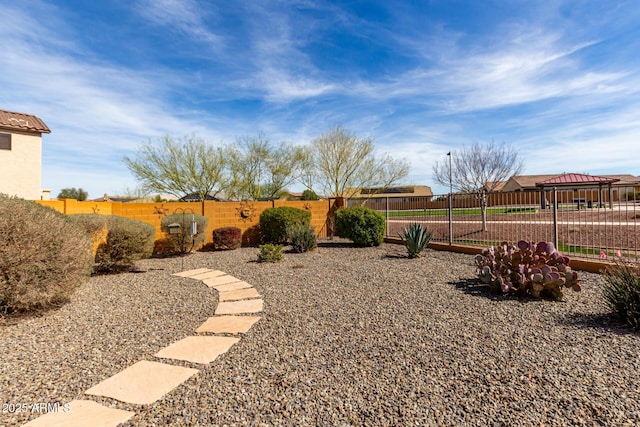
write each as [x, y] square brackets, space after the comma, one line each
[558, 79]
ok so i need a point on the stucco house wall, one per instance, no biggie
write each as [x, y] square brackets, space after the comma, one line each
[21, 158]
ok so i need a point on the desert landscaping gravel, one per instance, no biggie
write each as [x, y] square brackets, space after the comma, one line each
[349, 336]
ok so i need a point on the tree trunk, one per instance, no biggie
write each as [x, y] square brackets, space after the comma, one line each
[483, 208]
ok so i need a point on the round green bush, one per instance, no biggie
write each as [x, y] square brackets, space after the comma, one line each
[364, 226]
[44, 257]
[275, 223]
[184, 241]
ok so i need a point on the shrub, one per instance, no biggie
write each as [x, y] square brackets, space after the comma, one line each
[44, 257]
[227, 238]
[252, 236]
[166, 246]
[415, 238]
[95, 226]
[528, 269]
[621, 292]
[128, 240]
[364, 226]
[275, 222]
[184, 241]
[270, 253]
[303, 238]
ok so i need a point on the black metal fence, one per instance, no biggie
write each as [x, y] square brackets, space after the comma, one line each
[582, 223]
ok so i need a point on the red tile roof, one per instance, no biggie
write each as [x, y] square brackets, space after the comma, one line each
[24, 122]
[576, 178]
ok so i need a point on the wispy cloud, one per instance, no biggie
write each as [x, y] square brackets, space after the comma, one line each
[185, 17]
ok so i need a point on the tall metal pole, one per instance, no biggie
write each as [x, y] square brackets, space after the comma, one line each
[450, 202]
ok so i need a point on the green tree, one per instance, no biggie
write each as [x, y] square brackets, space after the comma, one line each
[309, 195]
[341, 163]
[261, 170]
[478, 169]
[73, 193]
[181, 167]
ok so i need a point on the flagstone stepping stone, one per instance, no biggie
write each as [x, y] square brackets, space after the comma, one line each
[189, 273]
[239, 307]
[228, 324]
[198, 349]
[232, 286]
[239, 294]
[143, 383]
[208, 275]
[83, 413]
[220, 280]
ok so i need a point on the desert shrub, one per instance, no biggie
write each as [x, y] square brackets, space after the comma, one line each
[185, 241]
[303, 238]
[535, 269]
[44, 257]
[95, 225]
[275, 222]
[128, 240]
[252, 236]
[270, 253]
[166, 246]
[227, 238]
[364, 226]
[621, 292]
[415, 239]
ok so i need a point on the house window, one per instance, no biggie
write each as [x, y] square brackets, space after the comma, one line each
[5, 141]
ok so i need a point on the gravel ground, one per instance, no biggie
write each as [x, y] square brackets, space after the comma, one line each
[350, 336]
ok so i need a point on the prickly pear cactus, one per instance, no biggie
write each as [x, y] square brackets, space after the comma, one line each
[535, 269]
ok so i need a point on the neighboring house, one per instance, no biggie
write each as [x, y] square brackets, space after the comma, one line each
[404, 197]
[21, 154]
[193, 197]
[622, 185]
[401, 193]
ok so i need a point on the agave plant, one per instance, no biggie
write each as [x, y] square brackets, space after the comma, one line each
[415, 238]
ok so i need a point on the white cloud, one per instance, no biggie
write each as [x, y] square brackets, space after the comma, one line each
[181, 16]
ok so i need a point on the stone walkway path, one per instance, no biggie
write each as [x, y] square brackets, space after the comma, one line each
[148, 381]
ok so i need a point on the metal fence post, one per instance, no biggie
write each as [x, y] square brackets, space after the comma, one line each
[386, 213]
[555, 217]
[450, 218]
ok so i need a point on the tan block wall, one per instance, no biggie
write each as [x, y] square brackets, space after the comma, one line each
[21, 167]
[244, 215]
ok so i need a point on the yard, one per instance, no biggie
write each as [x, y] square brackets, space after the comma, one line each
[349, 336]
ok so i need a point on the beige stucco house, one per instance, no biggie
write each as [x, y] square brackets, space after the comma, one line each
[21, 154]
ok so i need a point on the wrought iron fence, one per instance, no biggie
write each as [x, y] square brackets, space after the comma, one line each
[582, 222]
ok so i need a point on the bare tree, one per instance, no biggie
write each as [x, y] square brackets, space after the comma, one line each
[478, 169]
[342, 163]
[180, 167]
